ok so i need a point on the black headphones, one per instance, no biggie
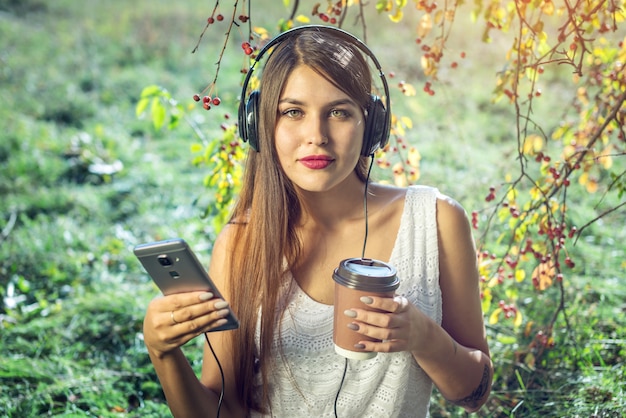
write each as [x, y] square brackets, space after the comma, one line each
[378, 120]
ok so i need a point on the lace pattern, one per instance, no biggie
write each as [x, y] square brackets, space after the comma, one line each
[305, 380]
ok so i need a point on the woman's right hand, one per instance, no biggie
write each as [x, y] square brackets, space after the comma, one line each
[171, 321]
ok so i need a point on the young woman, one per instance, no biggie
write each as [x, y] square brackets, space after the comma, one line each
[299, 214]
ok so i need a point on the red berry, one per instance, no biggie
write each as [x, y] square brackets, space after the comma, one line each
[206, 99]
[210, 20]
[219, 17]
[206, 105]
[196, 98]
[216, 101]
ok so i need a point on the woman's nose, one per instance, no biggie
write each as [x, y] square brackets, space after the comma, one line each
[317, 132]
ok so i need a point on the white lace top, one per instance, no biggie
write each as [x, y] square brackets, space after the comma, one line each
[304, 383]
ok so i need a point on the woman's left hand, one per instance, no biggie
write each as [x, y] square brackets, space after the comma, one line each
[398, 326]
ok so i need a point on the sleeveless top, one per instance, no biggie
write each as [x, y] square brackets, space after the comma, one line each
[305, 380]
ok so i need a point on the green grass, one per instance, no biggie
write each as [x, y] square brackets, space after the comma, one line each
[73, 295]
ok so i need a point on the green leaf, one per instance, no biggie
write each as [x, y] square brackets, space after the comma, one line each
[158, 113]
[142, 105]
[151, 91]
[507, 339]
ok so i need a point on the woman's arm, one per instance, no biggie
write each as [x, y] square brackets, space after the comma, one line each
[221, 342]
[455, 355]
[194, 313]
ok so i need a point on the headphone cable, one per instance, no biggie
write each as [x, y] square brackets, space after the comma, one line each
[367, 179]
[219, 366]
[343, 377]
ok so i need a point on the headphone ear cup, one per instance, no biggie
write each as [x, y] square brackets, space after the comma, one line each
[376, 132]
[248, 116]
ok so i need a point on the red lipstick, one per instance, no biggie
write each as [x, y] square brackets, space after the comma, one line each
[316, 162]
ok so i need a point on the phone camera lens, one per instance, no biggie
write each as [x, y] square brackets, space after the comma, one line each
[164, 260]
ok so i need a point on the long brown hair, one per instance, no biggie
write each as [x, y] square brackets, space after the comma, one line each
[268, 209]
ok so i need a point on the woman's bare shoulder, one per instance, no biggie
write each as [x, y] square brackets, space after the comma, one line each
[449, 209]
[223, 248]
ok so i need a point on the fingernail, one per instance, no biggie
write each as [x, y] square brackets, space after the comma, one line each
[359, 346]
[206, 296]
[349, 313]
[222, 312]
[353, 326]
[367, 300]
[220, 304]
[220, 322]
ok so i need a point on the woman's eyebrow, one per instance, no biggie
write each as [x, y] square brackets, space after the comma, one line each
[334, 103]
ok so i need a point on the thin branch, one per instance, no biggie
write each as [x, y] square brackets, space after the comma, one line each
[602, 215]
[294, 10]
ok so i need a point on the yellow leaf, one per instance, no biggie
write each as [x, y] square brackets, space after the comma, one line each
[408, 89]
[605, 158]
[414, 157]
[532, 144]
[494, 317]
[414, 175]
[262, 32]
[543, 275]
[592, 186]
[520, 275]
[518, 319]
[528, 328]
[424, 26]
[396, 17]
[439, 16]
[548, 8]
[196, 147]
[400, 180]
[427, 65]
[511, 195]
[302, 19]
[407, 122]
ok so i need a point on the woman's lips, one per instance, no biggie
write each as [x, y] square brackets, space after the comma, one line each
[316, 162]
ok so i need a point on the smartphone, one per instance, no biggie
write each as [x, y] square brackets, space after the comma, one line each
[174, 268]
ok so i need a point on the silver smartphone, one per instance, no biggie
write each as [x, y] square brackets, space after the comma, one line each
[174, 268]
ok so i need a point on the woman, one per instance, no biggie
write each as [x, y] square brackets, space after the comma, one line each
[300, 212]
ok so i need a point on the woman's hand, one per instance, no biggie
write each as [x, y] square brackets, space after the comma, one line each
[399, 325]
[171, 321]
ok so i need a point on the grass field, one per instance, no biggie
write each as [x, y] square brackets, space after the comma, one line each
[83, 180]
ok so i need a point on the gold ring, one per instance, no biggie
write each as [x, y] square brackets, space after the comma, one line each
[174, 321]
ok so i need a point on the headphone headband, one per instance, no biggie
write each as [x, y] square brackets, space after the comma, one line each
[379, 116]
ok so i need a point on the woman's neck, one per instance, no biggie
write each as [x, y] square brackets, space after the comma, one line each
[330, 208]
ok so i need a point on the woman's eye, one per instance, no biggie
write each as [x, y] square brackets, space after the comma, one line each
[291, 113]
[339, 113]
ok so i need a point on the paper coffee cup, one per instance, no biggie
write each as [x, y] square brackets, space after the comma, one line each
[355, 278]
